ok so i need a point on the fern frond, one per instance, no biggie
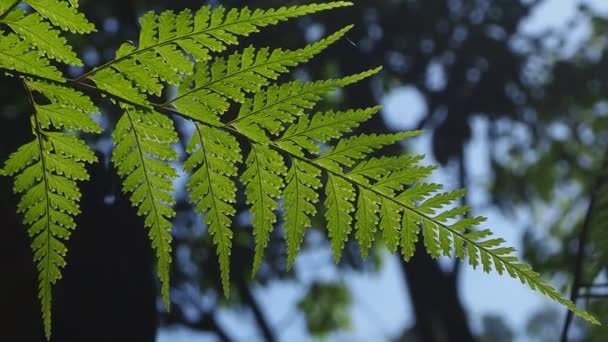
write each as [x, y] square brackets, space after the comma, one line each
[386, 200]
[239, 74]
[441, 238]
[46, 171]
[322, 127]
[61, 14]
[15, 54]
[386, 193]
[214, 155]
[40, 35]
[143, 147]
[277, 105]
[301, 196]
[263, 180]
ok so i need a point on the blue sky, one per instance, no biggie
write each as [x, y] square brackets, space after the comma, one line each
[381, 306]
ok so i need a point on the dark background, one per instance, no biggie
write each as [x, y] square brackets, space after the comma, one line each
[468, 59]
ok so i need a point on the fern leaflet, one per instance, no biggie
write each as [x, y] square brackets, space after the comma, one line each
[214, 155]
[15, 55]
[322, 127]
[339, 204]
[47, 170]
[62, 15]
[41, 36]
[272, 107]
[301, 196]
[263, 181]
[241, 73]
[143, 145]
[162, 37]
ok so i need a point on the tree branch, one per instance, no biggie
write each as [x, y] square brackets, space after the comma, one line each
[206, 322]
[259, 316]
[580, 255]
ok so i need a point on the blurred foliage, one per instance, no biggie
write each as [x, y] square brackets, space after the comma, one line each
[495, 329]
[327, 308]
[544, 325]
[557, 172]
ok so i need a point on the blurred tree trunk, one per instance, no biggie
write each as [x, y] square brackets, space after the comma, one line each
[439, 313]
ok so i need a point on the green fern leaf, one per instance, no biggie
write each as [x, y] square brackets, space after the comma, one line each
[59, 116]
[348, 151]
[163, 37]
[340, 195]
[63, 15]
[241, 73]
[263, 180]
[64, 96]
[115, 84]
[418, 192]
[368, 207]
[214, 155]
[5, 5]
[303, 181]
[42, 37]
[386, 193]
[139, 75]
[143, 145]
[323, 127]
[390, 223]
[480, 248]
[439, 201]
[378, 169]
[452, 214]
[15, 55]
[491, 254]
[46, 170]
[183, 27]
[271, 108]
[396, 181]
[217, 28]
[409, 234]
[430, 233]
